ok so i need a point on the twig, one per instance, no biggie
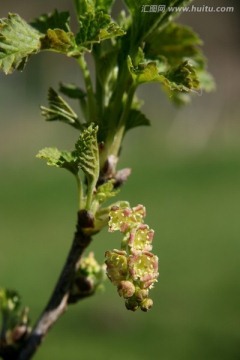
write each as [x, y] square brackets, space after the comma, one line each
[59, 300]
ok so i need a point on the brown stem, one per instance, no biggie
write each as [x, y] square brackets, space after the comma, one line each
[58, 301]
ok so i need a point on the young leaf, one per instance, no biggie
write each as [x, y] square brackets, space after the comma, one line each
[104, 5]
[136, 118]
[72, 91]
[182, 78]
[84, 6]
[95, 27]
[143, 72]
[60, 110]
[174, 42]
[86, 151]
[58, 36]
[206, 80]
[146, 17]
[55, 20]
[60, 159]
[18, 41]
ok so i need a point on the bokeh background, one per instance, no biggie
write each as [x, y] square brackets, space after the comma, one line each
[186, 171]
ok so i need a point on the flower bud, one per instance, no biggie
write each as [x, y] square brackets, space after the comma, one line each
[126, 289]
[89, 265]
[131, 304]
[146, 304]
[141, 294]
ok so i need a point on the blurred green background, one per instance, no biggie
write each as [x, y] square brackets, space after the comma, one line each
[186, 171]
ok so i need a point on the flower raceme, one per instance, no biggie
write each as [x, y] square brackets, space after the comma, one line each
[133, 269]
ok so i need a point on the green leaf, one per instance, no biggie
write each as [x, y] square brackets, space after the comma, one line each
[206, 80]
[60, 110]
[181, 78]
[136, 118]
[84, 6]
[145, 19]
[86, 151]
[72, 91]
[180, 98]
[174, 42]
[55, 20]
[94, 28]
[105, 192]
[58, 36]
[110, 31]
[60, 159]
[104, 4]
[18, 41]
[144, 72]
[206, 83]
[177, 44]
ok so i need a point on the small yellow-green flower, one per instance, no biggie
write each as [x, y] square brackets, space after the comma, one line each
[143, 267]
[123, 219]
[140, 238]
[117, 269]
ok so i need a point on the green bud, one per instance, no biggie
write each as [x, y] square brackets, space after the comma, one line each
[89, 265]
[9, 300]
[146, 304]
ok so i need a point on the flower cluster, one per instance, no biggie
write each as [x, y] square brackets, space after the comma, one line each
[133, 269]
[16, 323]
[88, 278]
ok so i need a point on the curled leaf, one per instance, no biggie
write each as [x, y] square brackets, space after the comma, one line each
[60, 110]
